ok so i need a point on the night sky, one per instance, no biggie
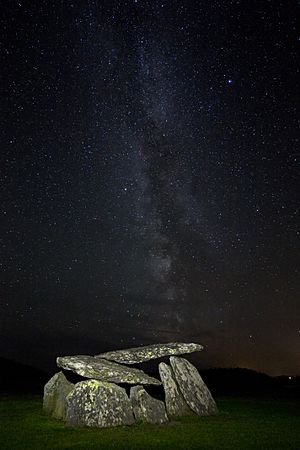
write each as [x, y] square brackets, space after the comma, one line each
[149, 189]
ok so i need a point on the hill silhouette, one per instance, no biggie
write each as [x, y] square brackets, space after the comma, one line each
[240, 381]
[17, 378]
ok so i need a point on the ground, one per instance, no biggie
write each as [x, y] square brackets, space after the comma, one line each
[242, 424]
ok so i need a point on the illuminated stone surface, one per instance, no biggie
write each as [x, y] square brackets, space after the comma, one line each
[95, 403]
[175, 403]
[193, 388]
[101, 369]
[55, 393]
[146, 408]
[141, 354]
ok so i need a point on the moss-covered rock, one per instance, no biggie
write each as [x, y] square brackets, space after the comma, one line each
[175, 403]
[95, 403]
[148, 352]
[55, 393]
[146, 408]
[192, 387]
[101, 369]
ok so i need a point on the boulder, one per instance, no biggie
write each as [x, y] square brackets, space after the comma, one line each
[193, 388]
[55, 393]
[101, 369]
[146, 408]
[175, 403]
[148, 352]
[95, 403]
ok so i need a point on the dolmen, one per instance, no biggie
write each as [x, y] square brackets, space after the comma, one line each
[101, 400]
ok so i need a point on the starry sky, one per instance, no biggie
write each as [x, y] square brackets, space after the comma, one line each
[149, 179]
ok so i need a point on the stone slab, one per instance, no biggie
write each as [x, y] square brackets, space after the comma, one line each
[192, 387]
[142, 354]
[55, 393]
[146, 408]
[175, 403]
[95, 403]
[101, 369]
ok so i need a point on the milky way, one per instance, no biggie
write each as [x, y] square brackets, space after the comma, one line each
[149, 176]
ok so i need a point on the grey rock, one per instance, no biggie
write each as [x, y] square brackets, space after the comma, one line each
[55, 393]
[146, 353]
[193, 388]
[101, 369]
[175, 403]
[146, 408]
[95, 403]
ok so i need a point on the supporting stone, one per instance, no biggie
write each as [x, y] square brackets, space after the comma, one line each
[175, 403]
[193, 388]
[55, 393]
[99, 404]
[146, 408]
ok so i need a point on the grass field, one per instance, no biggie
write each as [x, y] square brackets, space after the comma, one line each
[242, 424]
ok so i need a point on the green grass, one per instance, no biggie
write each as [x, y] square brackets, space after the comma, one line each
[242, 424]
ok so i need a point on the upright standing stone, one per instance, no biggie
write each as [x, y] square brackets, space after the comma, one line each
[146, 353]
[95, 403]
[55, 393]
[175, 403]
[146, 408]
[193, 388]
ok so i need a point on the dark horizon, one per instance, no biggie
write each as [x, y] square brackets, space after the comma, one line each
[150, 367]
[44, 356]
[149, 177]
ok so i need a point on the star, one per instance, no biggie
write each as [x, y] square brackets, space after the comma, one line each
[149, 180]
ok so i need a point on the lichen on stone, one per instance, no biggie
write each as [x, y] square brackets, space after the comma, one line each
[55, 393]
[101, 369]
[192, 387]
[108, 406]
[146, 353]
